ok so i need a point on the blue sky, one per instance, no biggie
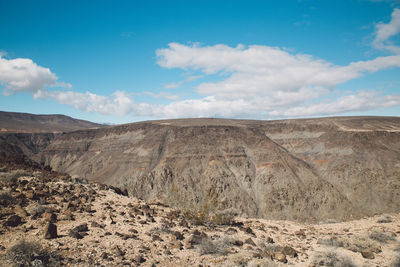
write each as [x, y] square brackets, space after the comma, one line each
[125, 61]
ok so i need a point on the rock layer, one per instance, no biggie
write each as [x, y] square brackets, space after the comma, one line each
[306, 170]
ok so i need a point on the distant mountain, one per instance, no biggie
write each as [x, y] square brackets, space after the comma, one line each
[304, 169]
[31, 123]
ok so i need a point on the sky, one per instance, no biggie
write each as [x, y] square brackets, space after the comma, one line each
[126, 61]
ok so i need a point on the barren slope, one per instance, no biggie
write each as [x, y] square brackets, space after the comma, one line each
[313, 169]
[31, 123]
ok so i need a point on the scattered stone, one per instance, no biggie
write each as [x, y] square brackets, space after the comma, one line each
[250, 242]
[238, 243]
[50, 231]
[13, 221]
[367, 254]
[117, 250]
[20, 211]
[49, 217]
[279, 256]
[269, 240]
[75, 234]
[300, 233]
[139, 259]
[82, 228]
[178, 235]
[156, 238]
[96, 225]
[289, 251]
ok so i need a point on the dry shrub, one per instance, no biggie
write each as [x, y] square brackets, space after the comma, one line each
[332, 259]
[245, 260]
[385, 219]
[36, 210]
[11, 177]
[381, 237]
[395, 262]
[224, 217]
[6, 198]
[204, 216]
[220, 246]
[27, 254]
[331, 242]
[358, 244]
[355, 244]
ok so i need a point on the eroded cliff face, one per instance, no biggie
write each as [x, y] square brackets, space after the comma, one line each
[306, 170]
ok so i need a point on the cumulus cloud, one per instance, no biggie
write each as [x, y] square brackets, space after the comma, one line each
[120, 103]
[22, 74]
[266, 80]
[384, 31]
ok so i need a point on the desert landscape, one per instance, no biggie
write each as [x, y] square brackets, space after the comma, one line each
[202, 192]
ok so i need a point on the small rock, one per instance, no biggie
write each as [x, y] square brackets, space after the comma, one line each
[20, 211]
[300, 233]
[238, 243]
[13, 221]
[250, 242]
[117, 250]
[49, 217]
[104, 255]
[269, 240]
[280, 257]
[289, 251]
[75, 234]
[50, 231]
[139, 259]
[157, 238]
[368, 255]
[82, 228]
[96, 224]
[178, 235]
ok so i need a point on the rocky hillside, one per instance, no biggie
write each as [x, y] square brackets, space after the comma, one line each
[304, 170]
[49, 219]
[31, 123]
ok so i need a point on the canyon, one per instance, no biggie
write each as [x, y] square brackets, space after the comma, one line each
[306, 170]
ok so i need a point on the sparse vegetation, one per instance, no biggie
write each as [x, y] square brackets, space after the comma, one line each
[26, 254]
[355, 243]
[332, 259]
[204, 216]
[385, 219]
[220, 246]
[396, 262]
[381, 237]
[36, 210]
[11, 177]
[331, 242]
[6, 198]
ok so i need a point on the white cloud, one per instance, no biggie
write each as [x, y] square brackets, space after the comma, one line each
[268, 79]
[22, 74]
[362, 101]
[120, 103]
[383, 32]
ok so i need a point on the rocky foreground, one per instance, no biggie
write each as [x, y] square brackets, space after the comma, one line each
[48, 219]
